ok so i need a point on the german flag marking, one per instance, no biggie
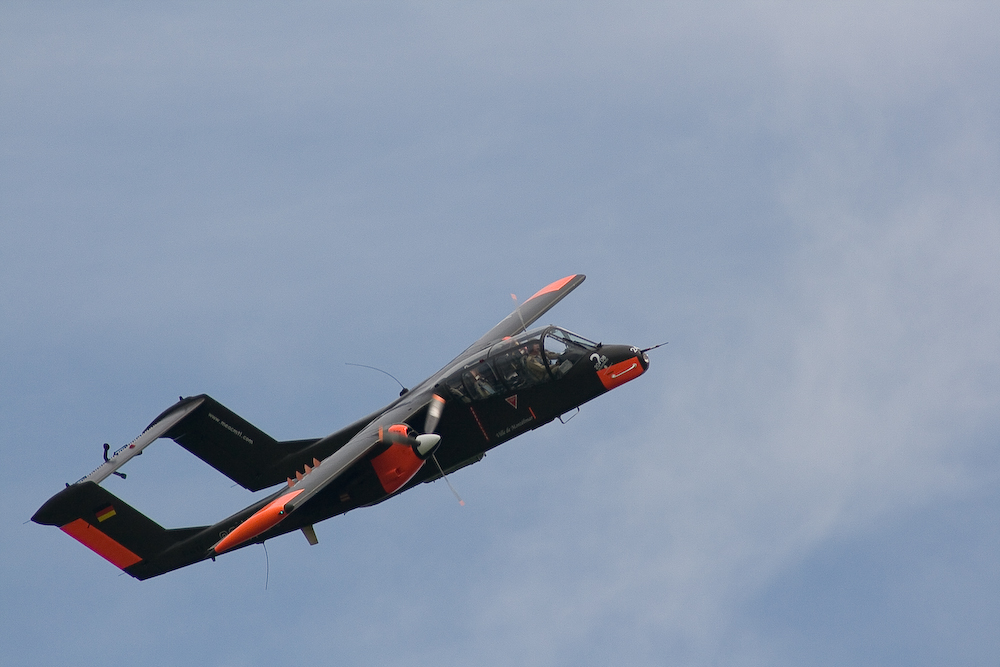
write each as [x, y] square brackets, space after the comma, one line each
[105, 514]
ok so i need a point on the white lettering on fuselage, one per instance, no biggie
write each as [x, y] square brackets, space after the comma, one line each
[513, 427]
[600, 361]
[233, 430]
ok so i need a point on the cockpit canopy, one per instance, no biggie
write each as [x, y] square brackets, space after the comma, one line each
[517, 363]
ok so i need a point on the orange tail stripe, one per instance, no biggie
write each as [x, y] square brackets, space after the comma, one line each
[101, 544]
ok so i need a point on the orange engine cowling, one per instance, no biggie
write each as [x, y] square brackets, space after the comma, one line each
[399, 463]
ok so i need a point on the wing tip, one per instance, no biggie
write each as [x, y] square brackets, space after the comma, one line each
[575, 278]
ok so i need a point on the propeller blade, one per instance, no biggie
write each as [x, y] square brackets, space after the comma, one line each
[434, 411]
[423, 445]
[394, 438]
[458, 497]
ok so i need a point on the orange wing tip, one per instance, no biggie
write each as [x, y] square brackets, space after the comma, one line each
[104, 546]
[553, 287]
[266, 517]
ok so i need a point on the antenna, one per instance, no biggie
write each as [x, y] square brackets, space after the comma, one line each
[458, 497]
[404, 389]
[267, 566]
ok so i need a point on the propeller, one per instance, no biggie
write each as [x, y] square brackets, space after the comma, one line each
[434, 411]
[441, 470]
[425, 445]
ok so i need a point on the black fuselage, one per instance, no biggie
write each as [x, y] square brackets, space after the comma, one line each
[473, 424]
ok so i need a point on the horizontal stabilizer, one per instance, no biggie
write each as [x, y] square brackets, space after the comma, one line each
[160, 425]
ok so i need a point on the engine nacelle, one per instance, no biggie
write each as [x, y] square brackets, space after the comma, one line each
[404, 457]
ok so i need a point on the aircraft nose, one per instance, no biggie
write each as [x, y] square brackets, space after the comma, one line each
[626, 363]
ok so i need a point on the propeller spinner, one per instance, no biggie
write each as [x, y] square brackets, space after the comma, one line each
[425, 444]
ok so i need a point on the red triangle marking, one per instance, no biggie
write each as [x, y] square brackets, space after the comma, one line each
[513, 401]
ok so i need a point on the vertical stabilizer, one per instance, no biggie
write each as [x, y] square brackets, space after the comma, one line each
[110, 527]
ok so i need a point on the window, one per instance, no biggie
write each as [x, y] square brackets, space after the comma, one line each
[457, 388]
[522, 366]
[480, 381]
[563, 349]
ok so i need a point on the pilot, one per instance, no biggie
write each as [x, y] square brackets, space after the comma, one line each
[533, 362]
[483, 388]
[557, 353]
[457, 389]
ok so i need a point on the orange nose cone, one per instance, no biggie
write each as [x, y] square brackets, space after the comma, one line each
[267, 517]
[620, 373]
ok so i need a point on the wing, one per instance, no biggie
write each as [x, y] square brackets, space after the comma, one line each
[229, 443]
[353, 452]
[529, 311]
[305, 486]
[255, 460]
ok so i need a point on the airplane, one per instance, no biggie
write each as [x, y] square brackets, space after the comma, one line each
[508, 382]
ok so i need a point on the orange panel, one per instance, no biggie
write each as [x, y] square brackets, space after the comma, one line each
[554, 287]
[101, 544]
[396, 466]
[266, 517]
[620, 373]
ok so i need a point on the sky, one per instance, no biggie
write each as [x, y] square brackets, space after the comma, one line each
[240, 199]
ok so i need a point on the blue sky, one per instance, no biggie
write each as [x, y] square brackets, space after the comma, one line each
[239, 199]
